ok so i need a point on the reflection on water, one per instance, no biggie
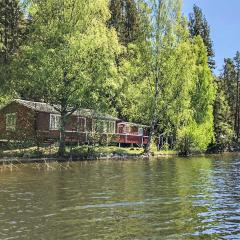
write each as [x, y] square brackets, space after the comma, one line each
[195, 198]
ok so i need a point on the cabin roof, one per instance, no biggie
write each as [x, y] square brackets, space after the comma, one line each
[134, 124]
[45, 107]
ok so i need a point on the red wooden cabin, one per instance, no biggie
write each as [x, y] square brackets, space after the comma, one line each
[21, 119]
[132, 133]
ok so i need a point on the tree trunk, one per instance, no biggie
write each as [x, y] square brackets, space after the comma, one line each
[62, 140]
[154, 119]
[151, 135]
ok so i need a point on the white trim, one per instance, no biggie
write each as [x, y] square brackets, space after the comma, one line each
[106, 124]
[133, 124]
[124, 134]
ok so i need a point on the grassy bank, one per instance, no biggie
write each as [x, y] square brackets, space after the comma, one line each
[81, 152]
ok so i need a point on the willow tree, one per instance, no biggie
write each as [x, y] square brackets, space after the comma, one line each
[70, 58]
[198, 132]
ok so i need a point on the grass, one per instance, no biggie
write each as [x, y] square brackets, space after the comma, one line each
[30, 152]
[84, 151]
[34, 152]
[166, 152]
[108, 150]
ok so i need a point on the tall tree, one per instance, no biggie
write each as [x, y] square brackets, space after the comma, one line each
[12, 25]
[164, 16]
[133, 63]
[198, 26]
[223, 128]
[229, 85]
[70, 59]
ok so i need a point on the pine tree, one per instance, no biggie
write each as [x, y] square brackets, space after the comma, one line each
[223, 127]
[12, 25]
[125, 19]
[237, 111]
[198, 25]
[229, 84]
[12, 33]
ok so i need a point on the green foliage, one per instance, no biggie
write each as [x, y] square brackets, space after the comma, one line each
[229, 84]
[12, 28]
[183, 105]
[195, 137]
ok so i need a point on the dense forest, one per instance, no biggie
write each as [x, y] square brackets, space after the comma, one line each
[140, 60]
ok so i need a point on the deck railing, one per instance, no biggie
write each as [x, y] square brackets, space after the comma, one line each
[131, 139]
[125, 138]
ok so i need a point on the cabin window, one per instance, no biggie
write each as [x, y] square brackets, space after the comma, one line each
[104, 126]
[11, 120]
[140, 131]
[111, 127]
[126, 129]
[101, 126]
[81, 124]
[54, 122]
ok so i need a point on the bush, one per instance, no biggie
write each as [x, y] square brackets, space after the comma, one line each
[153, 145]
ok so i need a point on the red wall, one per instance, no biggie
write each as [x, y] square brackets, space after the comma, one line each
[25, 122]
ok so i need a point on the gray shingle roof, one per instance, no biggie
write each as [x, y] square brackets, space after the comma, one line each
[45, 107]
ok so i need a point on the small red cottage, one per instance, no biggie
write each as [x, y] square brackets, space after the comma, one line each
[132, 133]
[21, 119]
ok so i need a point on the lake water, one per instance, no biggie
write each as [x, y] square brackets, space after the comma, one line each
[175, 198]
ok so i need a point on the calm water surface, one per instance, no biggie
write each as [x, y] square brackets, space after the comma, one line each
[195, 198]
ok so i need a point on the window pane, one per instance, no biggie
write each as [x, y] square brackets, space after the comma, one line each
[54, 121]
[11, 121]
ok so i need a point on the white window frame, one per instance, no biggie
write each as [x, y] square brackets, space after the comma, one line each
[105, 124]
[56, 124]
[126, 129]
[11, 121]
[140, 131]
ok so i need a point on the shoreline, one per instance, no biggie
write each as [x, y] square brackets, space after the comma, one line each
[23, 160]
